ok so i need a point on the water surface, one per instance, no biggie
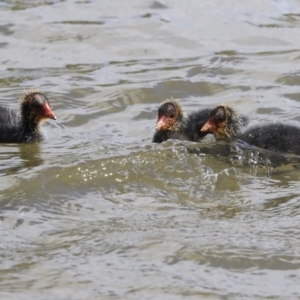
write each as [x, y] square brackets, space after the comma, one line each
[98, 211]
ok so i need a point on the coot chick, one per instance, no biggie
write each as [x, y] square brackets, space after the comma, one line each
[170, 122]
[274, 136]
[225, 123]
[25, 127]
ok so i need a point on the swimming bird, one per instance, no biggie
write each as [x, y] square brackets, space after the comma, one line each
[172, 123]
[225, 123]
[25, 126]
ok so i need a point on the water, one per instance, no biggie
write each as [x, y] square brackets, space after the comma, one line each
[98, 211]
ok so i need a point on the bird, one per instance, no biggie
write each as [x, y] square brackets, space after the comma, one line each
[225, 123]
[170, 122]
[173, 123]
[24, 127]
[277, 137]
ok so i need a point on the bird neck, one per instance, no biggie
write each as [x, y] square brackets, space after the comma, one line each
[234, 126]
[29, 121]
[178, 125]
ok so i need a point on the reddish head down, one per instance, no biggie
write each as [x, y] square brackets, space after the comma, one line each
[216, 120]
[223, 122]
[170, 115]
[36, 107]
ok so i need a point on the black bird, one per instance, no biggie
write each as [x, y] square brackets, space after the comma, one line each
[225, 123]
[274, 136]
[172, 123]
[25, 127]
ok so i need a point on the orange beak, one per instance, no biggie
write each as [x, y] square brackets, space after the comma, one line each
[208, 126]
[161, 123]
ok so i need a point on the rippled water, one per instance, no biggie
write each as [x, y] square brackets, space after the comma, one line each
[98, 211]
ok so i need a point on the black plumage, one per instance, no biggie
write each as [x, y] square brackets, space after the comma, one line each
[273, 136]
[172, 123]
[225, 123]
[194, 123]
[164, 135]
[25, 126]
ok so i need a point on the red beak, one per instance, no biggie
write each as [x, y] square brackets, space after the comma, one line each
[51, 116]
[48, 112]
[161, 123]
